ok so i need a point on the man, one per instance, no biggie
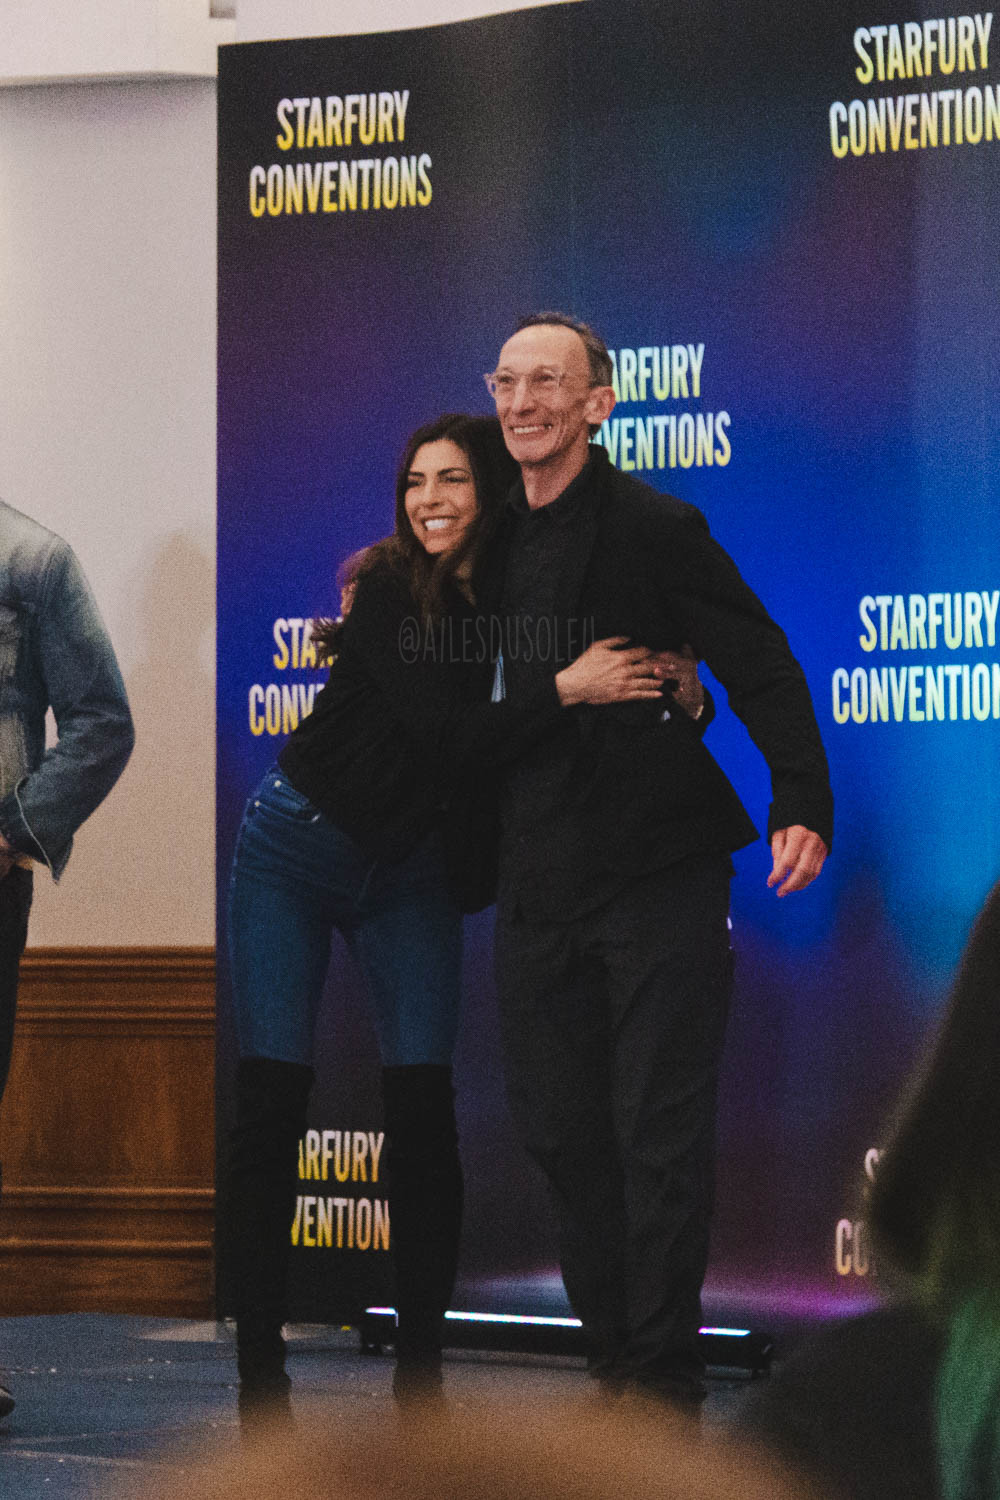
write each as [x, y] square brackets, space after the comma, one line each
[613, 960]
[54, 652]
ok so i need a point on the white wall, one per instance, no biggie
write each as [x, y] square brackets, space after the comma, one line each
[47, 41]
[107, 435]
[267, 20]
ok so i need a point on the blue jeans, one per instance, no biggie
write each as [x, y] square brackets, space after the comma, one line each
[295, 878]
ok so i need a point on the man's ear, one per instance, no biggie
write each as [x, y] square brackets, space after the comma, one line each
[600, 404]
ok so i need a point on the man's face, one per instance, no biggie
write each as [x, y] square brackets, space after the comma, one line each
[549, 402]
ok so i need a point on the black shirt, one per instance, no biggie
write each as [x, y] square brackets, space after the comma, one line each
[551, 863]
[405, 717]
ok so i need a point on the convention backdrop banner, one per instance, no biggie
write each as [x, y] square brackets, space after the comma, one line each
[785, 228]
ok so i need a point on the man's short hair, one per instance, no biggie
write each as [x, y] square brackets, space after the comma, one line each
[598, 358]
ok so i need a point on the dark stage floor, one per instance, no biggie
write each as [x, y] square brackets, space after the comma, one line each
[106, 1403]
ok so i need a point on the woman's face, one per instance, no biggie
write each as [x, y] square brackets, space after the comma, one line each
[440, 499]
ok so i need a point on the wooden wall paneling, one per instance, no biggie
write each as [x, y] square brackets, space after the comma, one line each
[107, 1134]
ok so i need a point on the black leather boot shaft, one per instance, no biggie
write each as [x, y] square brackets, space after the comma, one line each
[425, 1204]
[271, 1099]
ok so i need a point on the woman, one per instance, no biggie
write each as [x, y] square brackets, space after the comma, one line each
[345, 832]
[935, 1212]
[904, 1403]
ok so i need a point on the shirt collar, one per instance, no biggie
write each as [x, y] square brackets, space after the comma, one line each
[564, 507]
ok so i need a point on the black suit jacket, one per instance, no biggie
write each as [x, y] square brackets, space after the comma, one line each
[644, 565]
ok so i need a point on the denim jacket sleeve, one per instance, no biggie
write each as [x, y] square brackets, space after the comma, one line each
[69, 665]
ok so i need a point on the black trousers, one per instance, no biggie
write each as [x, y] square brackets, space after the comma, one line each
[613, 1025]
[15, 904]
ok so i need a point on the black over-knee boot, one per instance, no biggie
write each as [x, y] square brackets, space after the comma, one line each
[271, 1100]
[425, 1216]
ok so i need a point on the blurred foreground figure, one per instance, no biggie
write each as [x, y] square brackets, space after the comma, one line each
[509, 1452]
[904, 1404]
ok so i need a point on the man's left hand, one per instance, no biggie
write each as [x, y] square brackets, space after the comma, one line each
[798, 858]
[679, 669]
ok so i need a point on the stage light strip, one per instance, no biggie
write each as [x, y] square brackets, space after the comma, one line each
[519, 1318]
[540, 1322]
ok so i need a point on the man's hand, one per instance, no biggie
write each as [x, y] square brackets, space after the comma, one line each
[679, 669]
[7, 857]
[798, 858]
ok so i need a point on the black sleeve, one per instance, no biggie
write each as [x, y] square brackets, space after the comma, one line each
[726, 624]
[426, 674]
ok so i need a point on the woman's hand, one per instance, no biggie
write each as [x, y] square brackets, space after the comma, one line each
[610, 671]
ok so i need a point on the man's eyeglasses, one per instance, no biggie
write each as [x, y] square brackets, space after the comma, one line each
[542, 382]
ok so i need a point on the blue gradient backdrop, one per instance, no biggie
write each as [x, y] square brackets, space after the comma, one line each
[664, 171]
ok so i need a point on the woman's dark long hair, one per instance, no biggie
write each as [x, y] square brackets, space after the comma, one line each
[935, 1210]
[493, 472]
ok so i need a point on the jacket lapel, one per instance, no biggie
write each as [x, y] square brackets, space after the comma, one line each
[580, 550]
[490, 585]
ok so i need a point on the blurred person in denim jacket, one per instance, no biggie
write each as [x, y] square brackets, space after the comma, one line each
[54, 653]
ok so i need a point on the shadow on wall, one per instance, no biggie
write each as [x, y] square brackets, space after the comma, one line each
[142, 871]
